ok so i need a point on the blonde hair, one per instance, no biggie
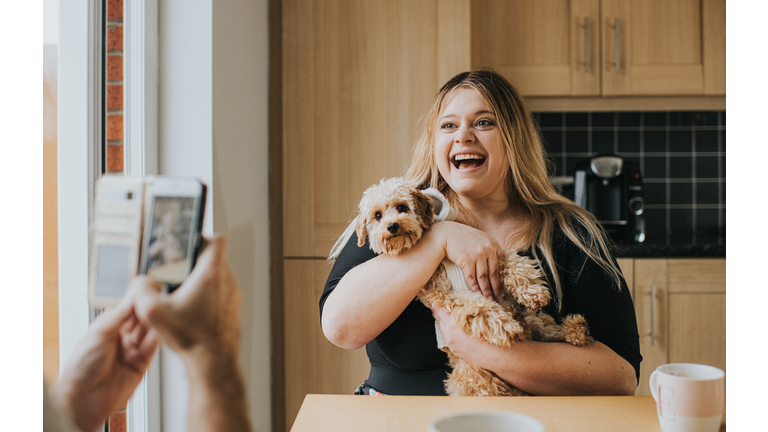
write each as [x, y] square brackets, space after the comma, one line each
[528, 183]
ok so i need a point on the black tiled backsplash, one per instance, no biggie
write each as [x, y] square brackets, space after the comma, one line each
[681, 157]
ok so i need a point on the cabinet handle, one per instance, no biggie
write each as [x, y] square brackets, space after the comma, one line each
[653, 315]
[617, 39]
[586, 44]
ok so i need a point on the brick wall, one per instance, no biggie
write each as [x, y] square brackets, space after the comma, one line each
[113, 123]
[113, 95]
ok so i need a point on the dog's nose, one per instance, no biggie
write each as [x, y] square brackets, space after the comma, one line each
[393, 227]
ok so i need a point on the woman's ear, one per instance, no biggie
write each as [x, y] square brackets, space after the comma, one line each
[424, 209]
[361, 229]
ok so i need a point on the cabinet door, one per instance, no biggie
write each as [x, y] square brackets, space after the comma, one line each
[650, 308]
[312, 364]
[357, 76]
[657, 47]
[544, 47]
[680, 305]
[697, 311]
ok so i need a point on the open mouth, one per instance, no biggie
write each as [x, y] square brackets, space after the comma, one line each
[467, 160]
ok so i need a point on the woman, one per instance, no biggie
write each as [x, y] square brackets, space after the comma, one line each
[481, 149]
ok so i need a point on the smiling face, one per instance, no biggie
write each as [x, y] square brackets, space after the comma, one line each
[469, 148]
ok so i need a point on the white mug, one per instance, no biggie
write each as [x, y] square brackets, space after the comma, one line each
[486, 421]
[689, 397]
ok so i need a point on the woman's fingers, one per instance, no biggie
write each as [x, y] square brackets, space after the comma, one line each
[483, 281]
[494, 269]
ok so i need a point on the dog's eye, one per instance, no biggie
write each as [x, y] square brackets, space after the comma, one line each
[402, 208]
[378, 215]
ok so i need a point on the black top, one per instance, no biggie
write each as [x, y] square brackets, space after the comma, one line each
[405, 359]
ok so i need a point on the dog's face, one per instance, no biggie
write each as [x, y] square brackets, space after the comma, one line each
[393, 215]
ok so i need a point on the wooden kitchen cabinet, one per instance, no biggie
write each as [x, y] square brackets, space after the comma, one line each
[680, 307]
[648, 48]
[312, 364]
[663, 47]
[545, 47]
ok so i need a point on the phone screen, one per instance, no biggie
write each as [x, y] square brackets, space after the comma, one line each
[171, 239]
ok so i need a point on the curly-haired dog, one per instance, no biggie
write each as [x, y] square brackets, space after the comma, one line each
[394, 215]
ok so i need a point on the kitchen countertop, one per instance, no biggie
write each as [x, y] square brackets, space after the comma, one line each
[673, 247]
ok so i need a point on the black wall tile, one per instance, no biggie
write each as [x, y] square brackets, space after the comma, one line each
[603, 141]
[707, 193]
[681, 154]
[681, 193]
[680, 167]
[628, 141]
[707, 167]
[681, 141]
[655, 167]
[706, 141]
[655, 193]
[603, 119]
[577, 119]
[655, 119]
[629, 118]
[655, 141]
[576, 141]
[550, 120]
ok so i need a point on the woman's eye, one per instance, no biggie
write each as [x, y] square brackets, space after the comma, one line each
[447, 126]
[402, 208]
[378, 215]
[485, 123]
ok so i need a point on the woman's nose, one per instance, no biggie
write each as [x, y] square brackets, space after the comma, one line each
[464, 134]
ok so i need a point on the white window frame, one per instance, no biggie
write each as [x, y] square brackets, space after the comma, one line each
[140, 70]
[80, 111]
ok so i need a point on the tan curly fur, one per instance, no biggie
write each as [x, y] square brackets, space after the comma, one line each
[394, 215]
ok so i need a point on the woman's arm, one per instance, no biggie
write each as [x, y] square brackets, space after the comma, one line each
[370, 296]
[545, 368]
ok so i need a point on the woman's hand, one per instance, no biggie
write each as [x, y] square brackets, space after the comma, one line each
[478, 255]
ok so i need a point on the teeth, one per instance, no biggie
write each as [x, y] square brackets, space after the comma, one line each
[462, 157]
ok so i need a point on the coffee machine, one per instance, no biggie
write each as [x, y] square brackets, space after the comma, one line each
[611, 188]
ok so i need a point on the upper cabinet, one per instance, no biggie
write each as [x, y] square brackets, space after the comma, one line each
[603, 48]
[545, 47]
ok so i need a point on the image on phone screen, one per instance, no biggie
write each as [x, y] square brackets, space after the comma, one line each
[169, 238]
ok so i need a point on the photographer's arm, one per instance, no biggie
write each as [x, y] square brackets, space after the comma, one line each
[199, 321]
[105, 367]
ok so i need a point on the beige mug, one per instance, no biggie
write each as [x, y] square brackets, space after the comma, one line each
[689, 397]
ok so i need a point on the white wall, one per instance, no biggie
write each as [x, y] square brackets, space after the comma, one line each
[50, 22]
[213, 117]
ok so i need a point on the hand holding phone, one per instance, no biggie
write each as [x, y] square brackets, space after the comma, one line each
[143, 225]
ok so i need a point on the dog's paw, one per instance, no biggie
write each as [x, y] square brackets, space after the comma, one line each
[523, 279]
[487, 320]
[576, 330]
[534, 296]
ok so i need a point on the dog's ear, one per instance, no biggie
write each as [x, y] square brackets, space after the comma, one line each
[424, 208]
[361, 229]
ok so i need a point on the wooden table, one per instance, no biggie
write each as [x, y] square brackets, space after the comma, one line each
[342, 413]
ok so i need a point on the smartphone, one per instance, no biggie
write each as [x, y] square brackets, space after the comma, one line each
[150, 225]
[172, 236]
